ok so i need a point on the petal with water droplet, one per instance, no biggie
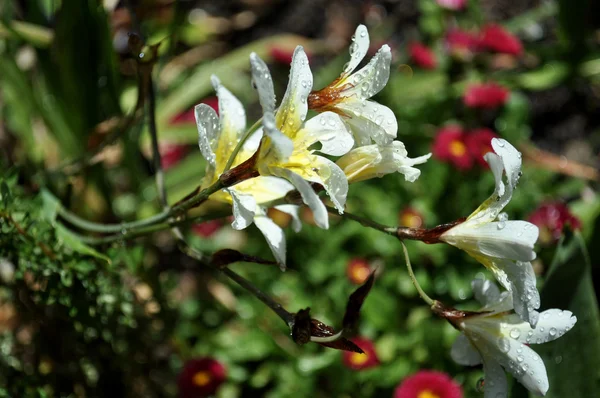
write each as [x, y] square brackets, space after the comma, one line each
[463, 352]
[293, 108]
[358, 49]
[369, 120]
[274, 236]
[328, 129]
[244, 207]
[208, 132]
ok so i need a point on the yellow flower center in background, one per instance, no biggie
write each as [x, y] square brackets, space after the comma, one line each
[411, 220]
[358, 359]
[427, 394]
[201, 378]
[360, 273]
[457, 148]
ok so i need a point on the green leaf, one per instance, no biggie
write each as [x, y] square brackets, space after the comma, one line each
[72, 241]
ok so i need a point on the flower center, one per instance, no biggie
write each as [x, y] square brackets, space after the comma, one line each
[457, 148]
[427, 394]
[358, 359]
[360, 274]
[201, 378]
[411, 220]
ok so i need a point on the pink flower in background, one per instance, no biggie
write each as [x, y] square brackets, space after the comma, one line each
[188, 117]
[358, 270]
[551, 219]
[201, 377]
[485, 95]
[171, 154]
[283, 55]
[357, 361]
[452, 4]
[497, 39]
[207, 228]
[450, 146]
[479, 142]
[422, 56]
[428, 384]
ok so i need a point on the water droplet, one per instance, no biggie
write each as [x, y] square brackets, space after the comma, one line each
[379, 120]
[322, 121]
[520, 358]
[515, 333]
[304, 83]
[363, 33]
[501, 225]
[501, 143]
[502, 216]
[558, 359]
[552, 332]
[503, 344]
[480, 386]
[542, 329]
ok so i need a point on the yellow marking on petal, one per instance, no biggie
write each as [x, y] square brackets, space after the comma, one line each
[201, 378]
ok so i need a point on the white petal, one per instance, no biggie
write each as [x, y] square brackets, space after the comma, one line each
[252, 142]
[308, 195]
[334, 180]
[280, 147]
[274, 236]
[328, 129]
[231, 111]
[372, 78]
[261, 78]
[485, 291]
[293, 108]
[208, 131]
[496, 385]
[264, 189]
[526, 298]
[512, 239]
[370, 120]
[552, 324]
[244, 208]
[511, 158]
[463, 352]
[292, 210]
[358, 48]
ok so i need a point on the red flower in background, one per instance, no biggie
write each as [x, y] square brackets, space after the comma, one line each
[411, 218]
[188, 117]
[462, 44]
[450, 146]
[486, 95]
[422, 56]
[479, 143]
[207, 229]
[200, 377]
[171, 154]
[357, 361]
[358, 270]
[551, 219]
[496, 38]
[452, 4]
[428, 384]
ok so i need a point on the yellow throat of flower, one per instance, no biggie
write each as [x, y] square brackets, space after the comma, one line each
[201, 378]
[427, 394]
[457, 149]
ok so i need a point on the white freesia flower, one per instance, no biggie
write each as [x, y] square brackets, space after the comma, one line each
[284, 148]
[349, 94]
[217, 138]
[499, 340]
[504, 247]
[372, 161]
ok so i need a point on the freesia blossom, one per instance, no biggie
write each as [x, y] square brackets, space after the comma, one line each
[372, 161]
[201, 377]
[357, 361]
[450, 146]
[486, 95]
[422, 56]
[504, 247]
[452, 4]
[496, 38]
[349, 94]
[479, 142]
[250, 198]
[428, 384]
[284, 148]
[551, 219]
[499, 339]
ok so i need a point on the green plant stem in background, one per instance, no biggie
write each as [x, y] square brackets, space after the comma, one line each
[414, 280]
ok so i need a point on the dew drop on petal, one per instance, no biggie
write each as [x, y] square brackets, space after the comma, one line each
[515, 333]
[552, 332]
[520, 358]
[503, 344]
[558, 359]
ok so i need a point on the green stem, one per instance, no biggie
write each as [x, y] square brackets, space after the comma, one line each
[241, 143]
[364, 221]
[422, 293]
